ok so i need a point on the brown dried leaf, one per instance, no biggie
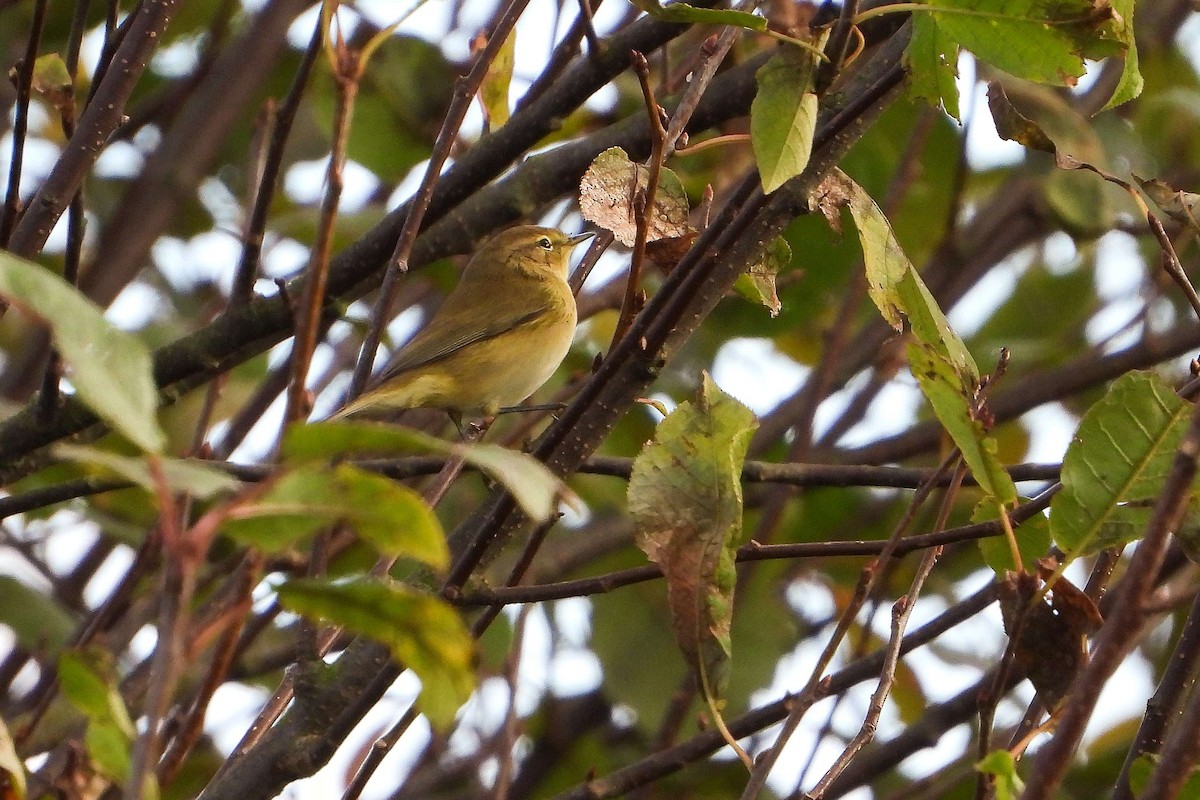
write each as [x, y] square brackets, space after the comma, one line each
[1050, 642]
[1013, 125]
[666, 253]
[829, 197]
[1181, 206]
[607, 195]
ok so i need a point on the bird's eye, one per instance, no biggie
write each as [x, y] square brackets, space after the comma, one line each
[545, 243]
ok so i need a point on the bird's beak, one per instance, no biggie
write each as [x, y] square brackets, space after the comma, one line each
[581, 238]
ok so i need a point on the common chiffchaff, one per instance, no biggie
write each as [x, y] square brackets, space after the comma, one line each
[496, 339]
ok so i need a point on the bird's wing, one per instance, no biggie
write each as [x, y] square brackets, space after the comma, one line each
[449, 333]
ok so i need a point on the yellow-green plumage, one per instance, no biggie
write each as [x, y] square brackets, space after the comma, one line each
[496, 339]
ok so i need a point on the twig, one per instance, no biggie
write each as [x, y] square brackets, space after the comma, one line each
[347, 70]
[174, 621]
[589, 30]
[1170, 263]
[24, 82]
[222, 659]
[1177, 680]
[675, 758]
[379, 750]
[807, 696]
[838, 46]
[280, 129]
[901, 612]
[712, 53]
[507, 735]
[100, 118]
[1181, 751]
[643, 217]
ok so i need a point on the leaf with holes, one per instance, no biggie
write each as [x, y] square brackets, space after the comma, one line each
[1037, 40]
[757, 283]
[931, 59]
[685, 495]
[607, 192]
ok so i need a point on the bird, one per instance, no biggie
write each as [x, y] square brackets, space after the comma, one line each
[500, 334]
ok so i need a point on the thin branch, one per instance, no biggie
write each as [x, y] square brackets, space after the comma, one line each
[643, 210]
[24, 81]
[379, 750]
[100, 118]
[347, 71]
[1177, 680]
[268, 176]
[755, 552]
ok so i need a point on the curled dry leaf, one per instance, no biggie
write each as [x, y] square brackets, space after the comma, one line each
[1049, 638]
[830, 195]
[1011, 124]
[607, 194]
[1181, 206]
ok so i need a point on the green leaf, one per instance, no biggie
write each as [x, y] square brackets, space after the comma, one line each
[35, 619]
[930, 325]
[757, 284]
[884, 259]
[688, 15]
[1039, 40]
[1033, 541]
[197, 478]
[940, 362]
[493, 92]
[89, 681]
[1131, 84]
[11, 767]
[392, 517]
[685, 496]
[52, 81]
[1081, 203]
[783, 116]
[535, 488]
[943, 385]
[1000, 763]
[1116, 464]
[931, 59]
[110, 369]
[424, 633]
